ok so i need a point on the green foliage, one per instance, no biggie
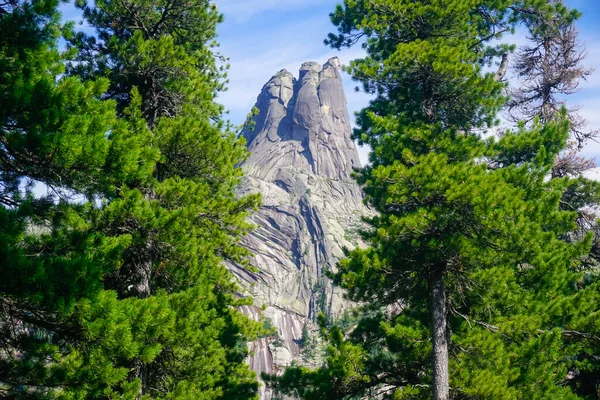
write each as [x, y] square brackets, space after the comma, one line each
[115, 286]
[268, 329]
[163, 48]
[305, 337]
[481, 213]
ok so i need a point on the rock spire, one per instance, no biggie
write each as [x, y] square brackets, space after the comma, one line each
[301, 161]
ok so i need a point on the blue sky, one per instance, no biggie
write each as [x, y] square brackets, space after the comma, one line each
[262, 37]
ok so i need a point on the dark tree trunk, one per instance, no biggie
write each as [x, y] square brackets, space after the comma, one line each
[137, 272]
[441, 387]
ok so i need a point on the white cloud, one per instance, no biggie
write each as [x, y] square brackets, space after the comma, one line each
[590, 110]
[593, 61]
[256, 57]
[593, 174]
[247, 76]
[363, 154]
[243, 10]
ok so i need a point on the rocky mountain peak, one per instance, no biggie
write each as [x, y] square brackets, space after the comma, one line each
[303, 123]
[301, 158]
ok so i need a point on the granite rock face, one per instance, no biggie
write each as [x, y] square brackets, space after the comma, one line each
[301, 161]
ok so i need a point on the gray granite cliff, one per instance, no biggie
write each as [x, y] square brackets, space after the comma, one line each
[301, 161]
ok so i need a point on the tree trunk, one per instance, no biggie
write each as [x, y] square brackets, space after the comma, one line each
[441, 387]
[138, 271]
[142, 275]
[502, 68]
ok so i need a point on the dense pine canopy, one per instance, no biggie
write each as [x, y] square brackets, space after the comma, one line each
[473, 285]
[114, 284]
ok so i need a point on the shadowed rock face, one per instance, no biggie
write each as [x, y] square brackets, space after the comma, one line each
[301, 161]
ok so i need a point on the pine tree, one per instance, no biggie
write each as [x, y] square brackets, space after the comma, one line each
[55, 132]
[469, 287]
[550, 67]
[159, 58]
[116, 287]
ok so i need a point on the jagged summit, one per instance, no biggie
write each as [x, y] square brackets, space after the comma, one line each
[301, 159]
[303, 123]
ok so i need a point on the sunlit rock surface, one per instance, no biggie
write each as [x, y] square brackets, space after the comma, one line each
[301, 161]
